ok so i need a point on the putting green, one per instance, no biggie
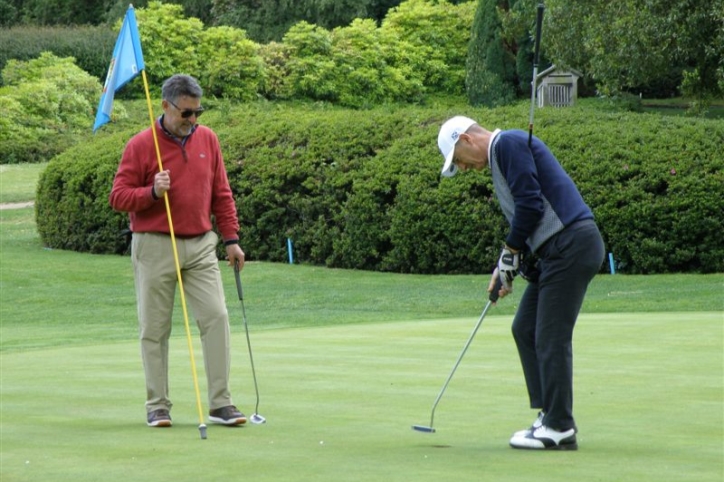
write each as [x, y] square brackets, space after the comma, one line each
[340, 402]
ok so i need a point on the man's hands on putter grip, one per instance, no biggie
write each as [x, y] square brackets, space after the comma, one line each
[235, 255]
[507, 269]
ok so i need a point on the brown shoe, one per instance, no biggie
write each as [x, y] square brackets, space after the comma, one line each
[227, 416]
[159, 418]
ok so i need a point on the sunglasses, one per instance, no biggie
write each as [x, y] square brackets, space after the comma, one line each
[185, 114]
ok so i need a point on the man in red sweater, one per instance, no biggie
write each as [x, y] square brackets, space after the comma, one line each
[194, 179]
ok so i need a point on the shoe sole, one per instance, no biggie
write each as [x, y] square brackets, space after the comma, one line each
[573, 446]
[232, 421]
[160, 423]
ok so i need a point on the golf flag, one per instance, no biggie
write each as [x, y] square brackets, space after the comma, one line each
[126, 64]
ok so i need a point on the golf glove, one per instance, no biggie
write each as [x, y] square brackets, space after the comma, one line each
[508, 267]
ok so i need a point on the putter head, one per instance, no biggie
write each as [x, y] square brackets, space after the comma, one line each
[257, 419]
[423, 428]
[202, 430]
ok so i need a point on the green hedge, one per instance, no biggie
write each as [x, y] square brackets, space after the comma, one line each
[91, 47]
[361, 189]
[71, 208]
[47, 103]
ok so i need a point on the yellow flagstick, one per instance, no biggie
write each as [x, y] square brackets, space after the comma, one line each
[202, 426]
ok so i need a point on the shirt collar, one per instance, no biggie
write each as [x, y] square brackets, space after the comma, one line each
[168, 133]
[490, 143]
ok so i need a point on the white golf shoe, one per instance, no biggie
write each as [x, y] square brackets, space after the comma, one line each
[537, 423]
[545, 438]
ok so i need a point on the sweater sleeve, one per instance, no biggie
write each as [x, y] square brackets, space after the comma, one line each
[222, 202]
[131, 191]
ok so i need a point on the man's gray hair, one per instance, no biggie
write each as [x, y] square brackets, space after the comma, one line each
[181, 85]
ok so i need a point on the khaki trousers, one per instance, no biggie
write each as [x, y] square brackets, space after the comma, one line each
[156, 280]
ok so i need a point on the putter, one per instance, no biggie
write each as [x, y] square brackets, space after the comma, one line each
[491, 299]
[536, 58]
[255, 417]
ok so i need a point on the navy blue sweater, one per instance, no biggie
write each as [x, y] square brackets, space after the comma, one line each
[536, 195]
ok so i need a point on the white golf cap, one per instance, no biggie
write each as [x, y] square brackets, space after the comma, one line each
[448, 137]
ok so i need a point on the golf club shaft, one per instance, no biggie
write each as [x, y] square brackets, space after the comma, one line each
[492, 298]
[240, 292]
[536, 58]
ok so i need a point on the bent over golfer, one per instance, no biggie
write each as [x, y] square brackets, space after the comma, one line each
[194, 178]
[549, 221]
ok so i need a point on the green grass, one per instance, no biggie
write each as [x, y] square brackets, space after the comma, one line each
[346, 362]
[45, 293]
[679, 106]
[340, 401]
[19, 181]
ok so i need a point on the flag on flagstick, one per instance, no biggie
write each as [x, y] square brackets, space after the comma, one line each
[126, 64]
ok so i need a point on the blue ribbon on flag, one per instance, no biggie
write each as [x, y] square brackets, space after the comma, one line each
[126, 64]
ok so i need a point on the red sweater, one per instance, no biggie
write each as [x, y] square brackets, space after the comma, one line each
[199, 186]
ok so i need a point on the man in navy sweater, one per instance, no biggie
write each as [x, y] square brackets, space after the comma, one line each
[555, 244]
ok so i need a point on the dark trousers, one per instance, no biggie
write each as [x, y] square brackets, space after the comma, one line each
[543, 325]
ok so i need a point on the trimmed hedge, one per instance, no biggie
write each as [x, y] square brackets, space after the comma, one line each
[361, 189]
[71, 207]
[92, 47]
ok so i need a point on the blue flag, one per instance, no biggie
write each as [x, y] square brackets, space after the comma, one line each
[126, 64]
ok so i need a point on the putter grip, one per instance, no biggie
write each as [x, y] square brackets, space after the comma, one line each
[239, 291]
[496, 288]
[538, 28]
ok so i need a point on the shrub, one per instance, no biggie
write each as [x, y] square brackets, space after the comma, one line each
[231, 67]
[48, 101]
[438, 33]
[275, 56]
[650, 180]
[71, 204]
[223, 59]
[362, 189]
[419, 49]
[169, 42]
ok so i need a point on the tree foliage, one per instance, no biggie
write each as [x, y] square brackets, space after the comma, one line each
[355, 66]
[438, 32]
[90, 46]
[491, 67]
[223, 59]
[52, 12]
[659, 48]
[85, 12]
[232, 66]
[200, 9]
[270, 20]
[628, 45]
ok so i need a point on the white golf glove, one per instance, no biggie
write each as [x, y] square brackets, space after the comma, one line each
[508, 267]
